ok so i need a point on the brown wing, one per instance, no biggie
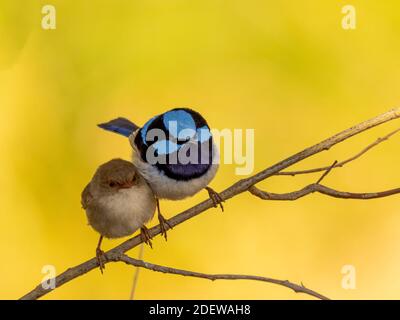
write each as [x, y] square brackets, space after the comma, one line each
[86, 197]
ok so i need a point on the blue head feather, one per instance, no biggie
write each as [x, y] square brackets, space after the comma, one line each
[164, 147]
[177, 122]
[203, 134]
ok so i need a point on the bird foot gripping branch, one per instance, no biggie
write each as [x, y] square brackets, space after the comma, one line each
[215, 198]
[146, 237]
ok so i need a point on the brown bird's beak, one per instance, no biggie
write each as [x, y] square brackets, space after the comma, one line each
[126, 185]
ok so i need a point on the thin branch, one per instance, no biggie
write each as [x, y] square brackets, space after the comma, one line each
[326, 172]
[237, 188]
[291, 196]
[342, 163]
[137, 272]
[154, 267]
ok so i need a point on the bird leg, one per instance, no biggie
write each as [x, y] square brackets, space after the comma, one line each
[145, 235]
[100, 255]
[215, 197]
[164, 225]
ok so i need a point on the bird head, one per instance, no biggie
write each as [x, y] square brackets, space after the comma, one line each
[185, 132]
[115, 175]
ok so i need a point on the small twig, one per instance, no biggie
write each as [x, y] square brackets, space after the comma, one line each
[326, 172]
[342, 163]
[154, 267]
[291, 196]
[137, 271]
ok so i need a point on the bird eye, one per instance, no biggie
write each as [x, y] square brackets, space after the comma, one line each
[112, 184]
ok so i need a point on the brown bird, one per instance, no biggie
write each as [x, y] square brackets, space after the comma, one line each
[118, 201]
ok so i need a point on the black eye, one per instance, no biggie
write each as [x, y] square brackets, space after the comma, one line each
[112, 184]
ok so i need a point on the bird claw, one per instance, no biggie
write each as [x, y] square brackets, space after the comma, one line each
[164, 225]
[146, 237]
[216, 198]
[101, 258]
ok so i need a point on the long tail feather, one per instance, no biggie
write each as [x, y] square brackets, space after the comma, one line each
[120, 125]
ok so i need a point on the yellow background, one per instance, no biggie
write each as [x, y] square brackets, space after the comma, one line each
[285, 68]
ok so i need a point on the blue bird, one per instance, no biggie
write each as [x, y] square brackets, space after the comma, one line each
[174, 152]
